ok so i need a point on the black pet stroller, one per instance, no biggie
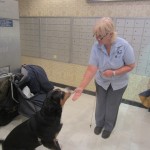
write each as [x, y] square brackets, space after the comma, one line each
[32, 86]
[24, 92]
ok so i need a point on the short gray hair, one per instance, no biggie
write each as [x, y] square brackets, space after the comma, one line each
[104, 26]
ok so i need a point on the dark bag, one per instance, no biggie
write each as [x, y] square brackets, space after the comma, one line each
[4, 86]
[8, 107]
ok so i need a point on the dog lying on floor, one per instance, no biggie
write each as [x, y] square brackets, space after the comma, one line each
[42, 128]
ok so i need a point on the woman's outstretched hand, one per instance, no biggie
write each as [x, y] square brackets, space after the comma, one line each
[77, 93]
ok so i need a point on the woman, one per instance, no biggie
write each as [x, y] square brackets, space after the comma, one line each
[111, 59]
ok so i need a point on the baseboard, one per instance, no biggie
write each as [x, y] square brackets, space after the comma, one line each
[125, 101]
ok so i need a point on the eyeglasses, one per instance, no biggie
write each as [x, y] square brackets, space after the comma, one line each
[99, 37]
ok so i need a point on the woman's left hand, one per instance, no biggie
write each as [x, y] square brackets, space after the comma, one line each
[107, 73]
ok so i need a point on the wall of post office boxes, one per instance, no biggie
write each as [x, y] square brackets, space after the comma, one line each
[69, 39]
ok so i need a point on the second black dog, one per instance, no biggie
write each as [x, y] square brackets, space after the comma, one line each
[42, 128]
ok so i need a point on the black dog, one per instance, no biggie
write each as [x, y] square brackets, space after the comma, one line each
[42, 128]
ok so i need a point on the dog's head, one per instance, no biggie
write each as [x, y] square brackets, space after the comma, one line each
[55, 100]
[58, 97]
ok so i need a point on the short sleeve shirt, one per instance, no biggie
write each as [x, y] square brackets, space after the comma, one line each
[121, 54]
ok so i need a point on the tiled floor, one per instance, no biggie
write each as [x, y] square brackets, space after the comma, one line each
[132, 131]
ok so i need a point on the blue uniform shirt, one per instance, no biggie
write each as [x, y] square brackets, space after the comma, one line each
[121, 54]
